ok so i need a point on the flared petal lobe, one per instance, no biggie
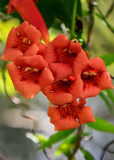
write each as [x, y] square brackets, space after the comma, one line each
[22, 41]
[70, 115]
[29, 12]
[30, 74]
[60, 42]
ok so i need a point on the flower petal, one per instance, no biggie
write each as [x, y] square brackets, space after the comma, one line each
[104, 81]
[53, 113]
[49, 55]
[76, 89]
[33, 34]
[85, 115]
[57, 98]
[14, 72]
[27, 88]
[32, 50]
[46, 77]
[90, 90]
[66, 123]
[97, 64]
[60, 42]
[60, 70]
[12, 38]
[74, 46]
[36, 61]
[41, 48]
[21, 28]
[11, 54]
[80, 61]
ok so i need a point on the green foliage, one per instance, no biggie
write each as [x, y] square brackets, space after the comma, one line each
[105, 98]
[57, 137]
[102, 126]
[87, 154]
[59, 11]
[108, 58]
[66, 147]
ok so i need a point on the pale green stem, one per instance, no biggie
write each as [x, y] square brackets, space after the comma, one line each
[74, 18]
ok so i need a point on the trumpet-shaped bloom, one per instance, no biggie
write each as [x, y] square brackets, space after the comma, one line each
[62, 54]
[30, 74]
[29, 12]
[23, 40]
[94, 77]
[70, 115]
[63, 91]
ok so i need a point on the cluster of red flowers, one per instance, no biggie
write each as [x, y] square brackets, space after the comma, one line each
[61, 70]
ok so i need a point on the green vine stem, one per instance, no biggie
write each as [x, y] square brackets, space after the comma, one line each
[78, 141]
[74, 18]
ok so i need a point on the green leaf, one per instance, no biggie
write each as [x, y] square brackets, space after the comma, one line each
[42, 138]
[102, 125]
[107, 58]
[109, 94]
[87, 154]
[66, 147]
[59, 11]
[106, 101]
[57, 137]
[110, 69]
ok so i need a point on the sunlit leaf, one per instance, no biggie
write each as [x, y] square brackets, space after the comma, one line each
[105, 98]
[102, 125]
[110, 94]
[42, 138]
[107, 58]
[87, 154]
[57, 137]
[5, 27]
[110, 69]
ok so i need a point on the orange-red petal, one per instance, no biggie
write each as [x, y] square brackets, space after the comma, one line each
[58, 97]
[80, 61]
[49, 55]
[97, 64]
[46, 77]
[104, 81]
[32, 50]
[66, 123]
[74, 46]
[61, 70]
[60, 42]
[85, 115]
[27, 88]
[76, 89]
[36, 61]
[33, 34]
[90, 90]
[11, 54]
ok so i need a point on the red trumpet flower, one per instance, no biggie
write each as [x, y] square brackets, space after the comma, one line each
[94, 77]
[29, 12]
[70, 115]
[62, 54]
[23, 40]
[30, 74]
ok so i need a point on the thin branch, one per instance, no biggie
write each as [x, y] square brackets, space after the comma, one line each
[106, 149]
[110, 10]
[103, 17]
[74, 18]
[112, 77]
[78, 141]
[91, 17]
[46, 155]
